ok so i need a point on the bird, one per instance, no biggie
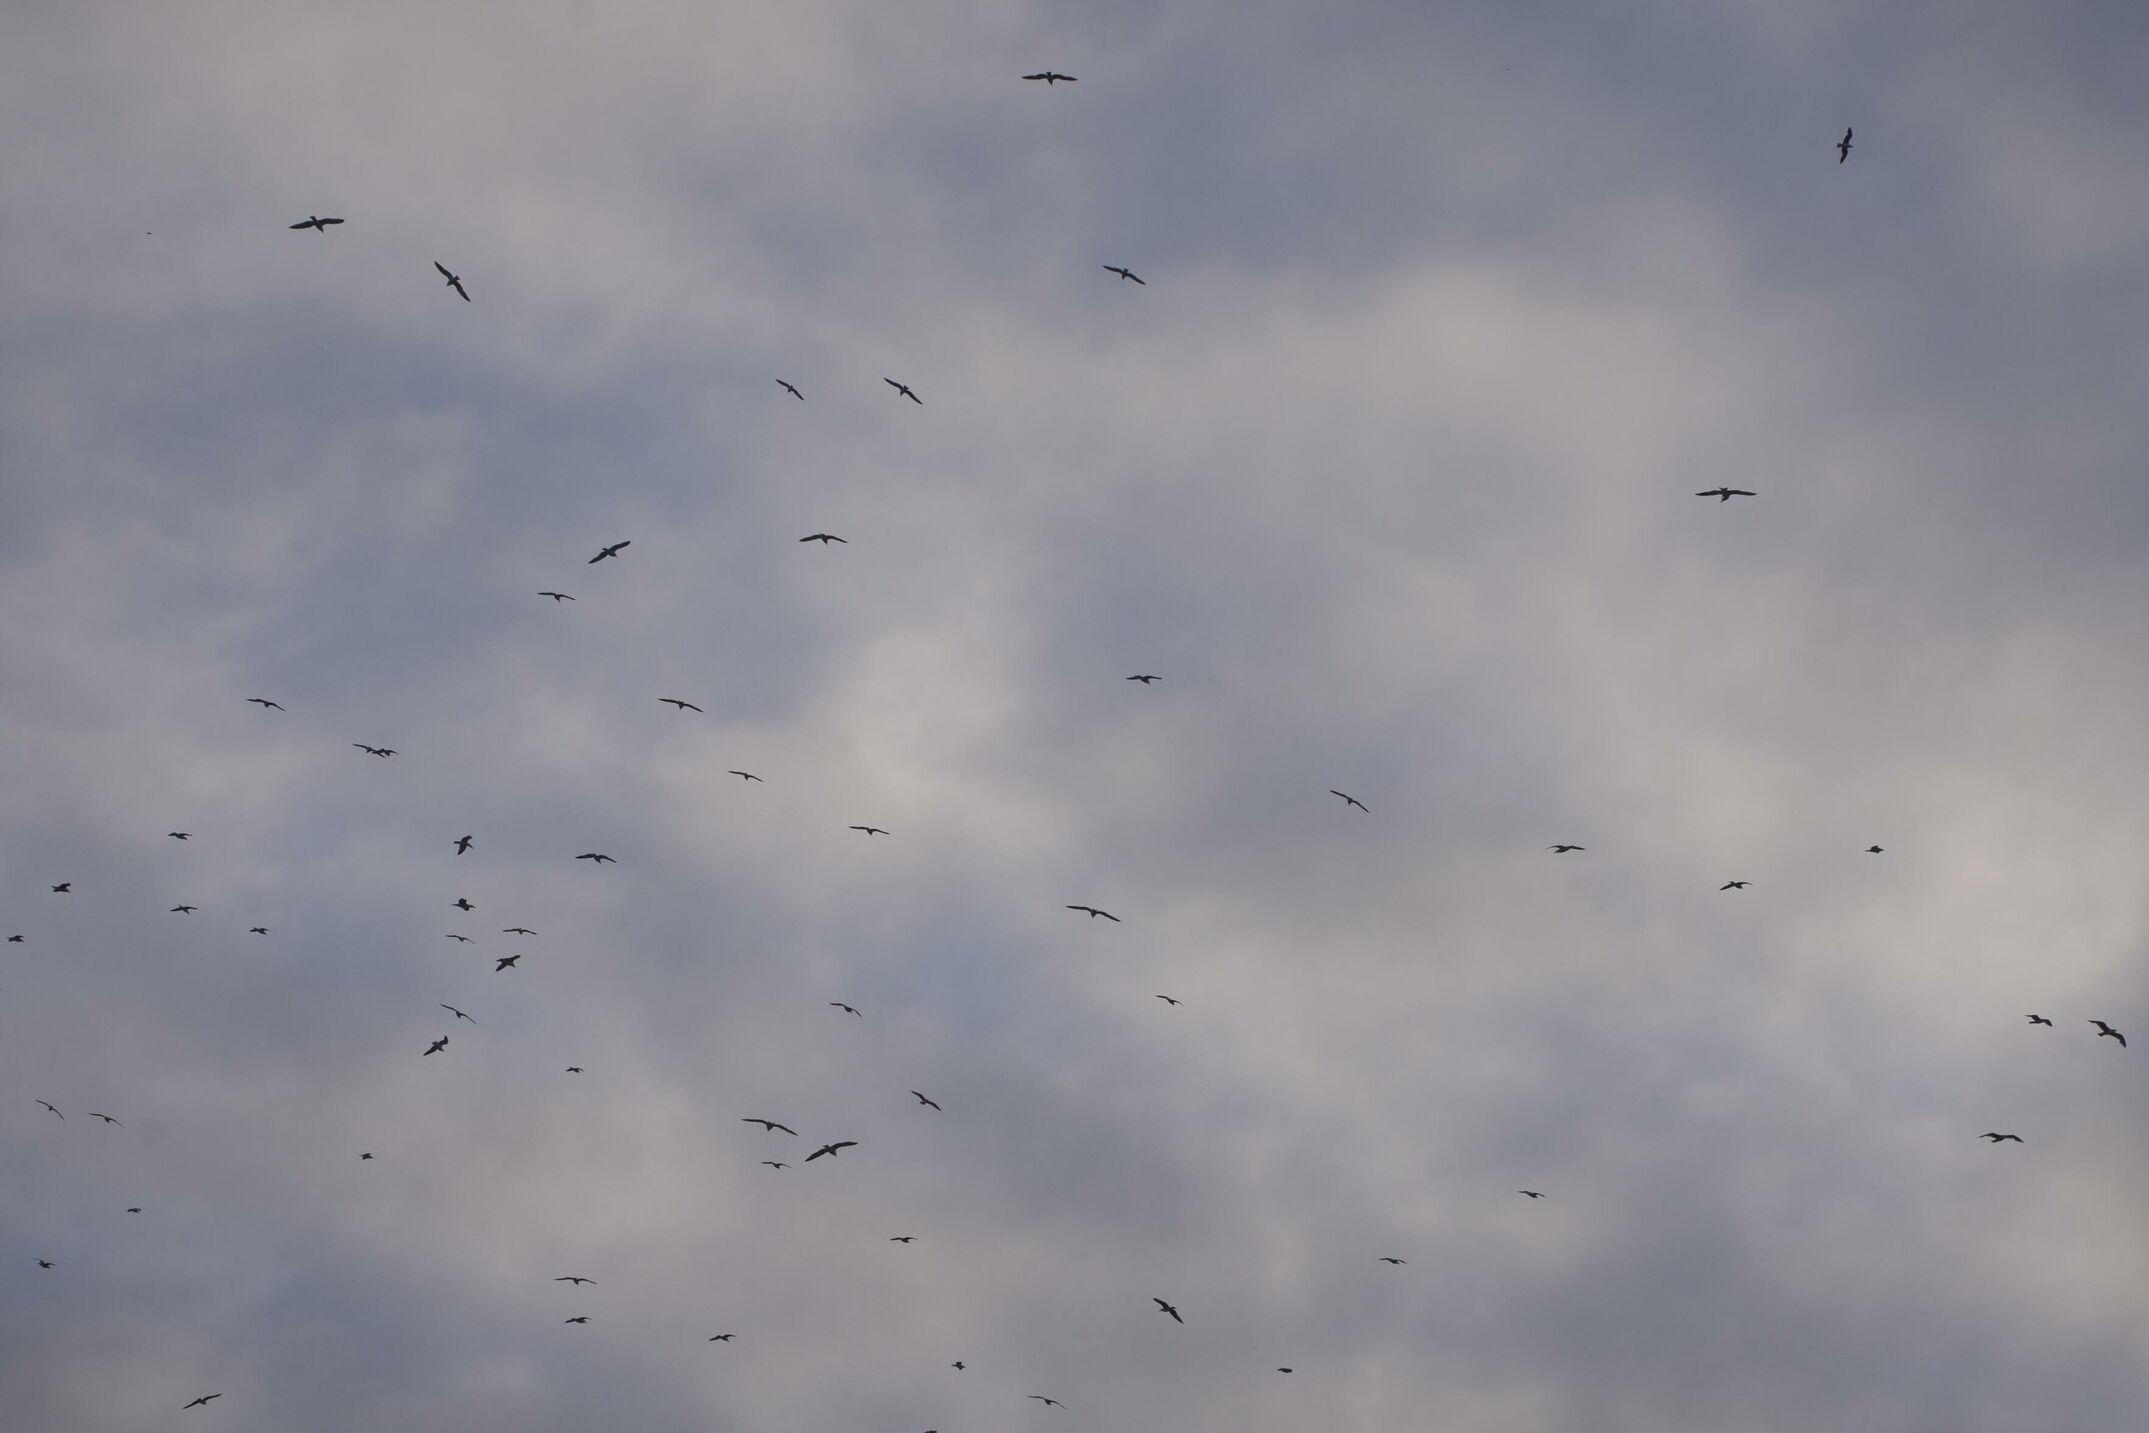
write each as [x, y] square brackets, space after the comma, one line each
[576, 1279]
[203, 1401]
[1168, 1000]
[598, 856]
[264, 702]
[1843, 146]
[904, 389]
[612, 551]
[1145, 678]
[558, 597]
[517, 930]
[439, 1045]
[1997, 1138]
[1050, 78]
[1048, 1402]
[462, 844]
[957, 1365]
[1167, 1308]
[578, 1319]
[2039, 1020]
[1283, 1370]
[791, 390]
[683, 706]
[721, 1337]
[574, 1069]
[52, 1108]
[44, 1263]
[1725, 495]
[182, 910]
[924, 1101]
[1350, 799]
[466, 940]
[257, 930]
[1563, 849]
[63, 888]
[768, 1126]
[367, 1155]
[870, 830]
[775, 1164]
[825, 538]
[2104, 1030]
[318, 225]
[1093, 913]
[456, 1013]
[902, 1238]
[847, 1009]
[14, 940]
[748, 775]
[1124, 274]
[505, 962]
[106, 1118]
[1530, 1193]
[830, 1149]
[453, 282]
[134, 1209]
[1872, 850]
[462, 903]
[1734, 885]
[179, 835]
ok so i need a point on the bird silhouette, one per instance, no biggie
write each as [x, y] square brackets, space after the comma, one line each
[747, 775]
[1351, 799]
[1167, 1308]
[825, 538]
[106, 1118]
[1562, 850]
[505, 962]
[775, 1164]
[557, 597]
[1725, 495]
[462, 844]
[683, 706]
[1124, 274]
[1092, 912]
[2104, 1030]
[367, 1155]
[453, 282]
[830, 1149]
[517, 930]
[257, 930]
[1530, 1193]
[1391, 1259]
[575, 1279]
[179, 835]
[904, 390]
[846, 1009]
[462, 903]
[264, 702]
[791, 390]
[902, 1238]
[578, 1319]
[1872, 850]
[768, 1126]
[1997, 1138]
[466, 940]
[44, 1263]
[612, 551]
[63, 888]
[203, 1401]
[1050, 77]
[14, 940]
[1167, 1000]
[1145, 678]
[1048, 1402]
[438, 1045]
[924, 1101]
[957, 1365]
[135, 1209]
[574, 1069]
[182, 910]
[1734, 885]
[52, 1108]
[598, 856]
[1843, 146]
[721, 1337]
[318, 225]
[456, 1013]
[870, 830]
[2039, 1020]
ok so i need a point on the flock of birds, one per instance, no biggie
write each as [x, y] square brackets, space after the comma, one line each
[831, 1149]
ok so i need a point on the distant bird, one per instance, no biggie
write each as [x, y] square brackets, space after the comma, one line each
[462, 903]
[1734, 885]
[1167, 1308]
[769, 1126]
[1048, 1402]
[1562, 850]
[721, 1338]
[904, 389]
[1050, 78]
[179, 835]
[456, 1013]
[846, 1009]
[439, 1045]
[318, 225]
[578, 1319]
[2104, 1030]
[1872, 850]
[1167, 1000]
[1124, 274]
[257, 930]
[1350, 799]
[44, 1263]
[1145, 678]
[748, 775]
[517, 930]
[1843, 146]
[182, 910]
[374, 750]
[683, 706]
[1531, 1193]
[598, 856]
[612, 551]
[1283, 1370]
[1997, 1138]
[63, 888]
[367, 1155]
[1724, 495]
[830, 1149]
[573, 1279]
[2039, 1020]
[14, 940]
[462, 844]
[1092, 912]
[870, 830]
[924, 1101]
[52, 1108]
[1389, 1259]
[825, 538]
[453, 282]
[775, 1164]
[466, 940]
[505, 962]
[791, 390]
[558, 597]
[574, 1069]
[203, 1401]
[264, 702]
[902, 1238]
[135, 1209]
[106, 1118]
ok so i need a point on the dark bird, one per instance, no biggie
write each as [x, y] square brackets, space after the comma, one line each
[573, 1279]
[721, 1338]
[1092, 912]
[571, 1069]
[63, 888]
[179, 835]
[517, 930]
[136, 1209]
[612, 551]
[440, 1044]
[924, 1101]
[1390, 1259]
[1530, 1193]
[456, 1013]
[203, 1401]
[870, 830]
[264, 702]
[683, 706]
[747, 775]
[1725, 495]
[1843, 146]
[466, 940]
[505, 962]
[1050, 78]
[2104, 1030]
[1734, 885]
[54, 1110]
[1167, 1000]
[1872, 850]
[453, 282]
[769, 1126]
[315, 223]
[791, 390]
[957, 1365]
[904, 389]
[1048, 1402]
[462, 903]
[847, 1009]
[1564, 849]
[830, 1149]
[257, 930]
[775, 1164]
[1283, 1370]
[367, 1155]
[578, 1319]
[1145, 678]
[462, 844]
[825, 538]
[598, 856]
[1124, 274]
[106, 1118]
[44, 1263]
[182, 910]
[558, 596]
[14, 940]
[1351, 799]
[1167, 1308]
[1997, 1138]
[902, 1238]
[2039, 1020]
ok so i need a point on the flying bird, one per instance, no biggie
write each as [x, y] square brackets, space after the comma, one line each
[1093, 913]
[1145, 678]
[1843, 146]
[847, 1009]
[440, 1044]
[573, 1279]
[721, 1338]
[775, 1164]
[578, 1319]
[683, 706]
[571, 1069]
[830, 1149]
[1167, 1000]
[1872, 850]
[134, 1209]
[1350, 799]
[598, 856]
[179, 835]
[902, 1238]
[791, 390]
[462, 903]
[870, 830]
[768, 1126]
[264, 702]
[14, 940]
[466, 940]
[1725, 495]
[904, 389]
[257, 930]
[453, 282]
[1734, 885]
[517, 930]
[1050, 78]
[315, 223]
[1390, 1259]
[748, 775]
[2104, 1030]
[1283, 1370]
[182, 910]
[106, 1118]
[52, 1108]
[44, 1263]
[1048, 1402]
[825, 538]
[2039, 1020]
[63, 888]
[505, 962]
[367, 1155]
[957, 1365]
[558, 596]
[1124, 274]
[1167, 1308]
[612, 551]
[462, 844]
[203, 1401]
[456, 1013]
[1997, 1138]
[1531, 1193]
[924, 1101]
[1562, 850]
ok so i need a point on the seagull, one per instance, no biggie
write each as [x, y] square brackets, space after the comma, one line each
[791, 390]
[1167, 1000]
[2039, 1020]
[748, 775]
[2104, 1030]
[1167, 1308]
[904, 389]
[367, 1155]
[457, 1013]
[848, 1009]
[683, 706]
[505, 962]
[453, 282]
[612, 551]
[134, 1209]
[179, 835]
[598, 856]
[182, 910]
[52, 1108]
[466, 940]
[775, 1164]
[957, 1365]
[1872, 850]
[571, 1069]
[578, 1319]
[1145, 678]
[1390, 1259]
[462, 903]
[1734, 885]
[257, 930]
[264, 702]
[1124, 274]
[1562, 850]
[44, 1263]
[825, 538]
[1050, 78]
[1531, 1193]
[1843, 146]
[830, 1149]
[63, 888]
[319, 225]
[769, 1126]
[924, 1101]
[1093, 913]
[1350, 799]
[203, 1401]
[576, 1279]
[517, 930]
[870, 830]
[1725, 495]
[440, 1044]
[721, 1338]
[1997, 1138]
[902, 1238]
[462, 844]
[1048, 1402]
[106, 1118]
[558, 597]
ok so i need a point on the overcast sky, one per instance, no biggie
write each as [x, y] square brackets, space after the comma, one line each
[1386, 472]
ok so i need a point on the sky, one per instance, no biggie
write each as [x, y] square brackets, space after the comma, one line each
[1386, 471]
